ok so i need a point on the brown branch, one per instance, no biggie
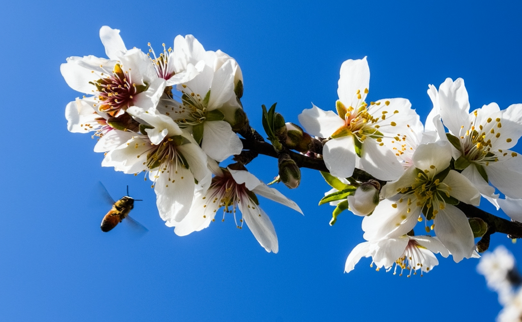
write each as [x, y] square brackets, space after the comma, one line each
[255, 143]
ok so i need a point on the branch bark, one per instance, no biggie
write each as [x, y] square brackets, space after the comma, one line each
[256, 144]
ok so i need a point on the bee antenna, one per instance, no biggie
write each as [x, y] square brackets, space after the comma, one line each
[127, 190]
[138, 199]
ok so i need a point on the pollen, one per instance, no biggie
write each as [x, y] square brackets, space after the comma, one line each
[393, 124]
[508, 140]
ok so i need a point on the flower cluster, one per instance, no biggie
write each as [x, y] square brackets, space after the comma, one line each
[173, 116]
[177, 115]
[418, 173]
[502, 276]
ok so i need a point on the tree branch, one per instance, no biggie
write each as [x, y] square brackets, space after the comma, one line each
[256, 144]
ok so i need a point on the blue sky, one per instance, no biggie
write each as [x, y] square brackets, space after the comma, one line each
[56, 264]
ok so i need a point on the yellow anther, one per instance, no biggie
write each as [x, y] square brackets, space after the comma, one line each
[508, 140]
[393, 124]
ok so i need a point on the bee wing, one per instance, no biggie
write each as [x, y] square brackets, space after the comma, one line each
[105, 194]
[135, 225]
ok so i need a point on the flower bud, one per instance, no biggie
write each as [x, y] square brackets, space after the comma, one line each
[280, 127]
[240, 120]
[478, 226]
[365, 198]
[289, 172]
[296, 138]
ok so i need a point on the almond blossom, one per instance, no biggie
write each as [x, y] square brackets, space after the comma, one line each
[232, 190]
[409, 253]
[483, 139]
[172, 158]
[432, 188]
[361, 132]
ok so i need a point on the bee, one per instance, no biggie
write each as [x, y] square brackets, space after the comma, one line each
[119, 211]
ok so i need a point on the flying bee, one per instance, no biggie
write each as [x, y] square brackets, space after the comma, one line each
[119, 211]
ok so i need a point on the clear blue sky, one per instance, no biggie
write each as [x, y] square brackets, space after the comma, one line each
[56, 264]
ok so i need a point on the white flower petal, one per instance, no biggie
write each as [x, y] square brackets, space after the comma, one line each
[339, 156]
[130, 156]
[433, 157]
[275, 195]
[260, 225]
[222, 88]
[242, 176]
[111, 39]
[512, 208]
[482, 186]
[149, 99]
[197, 161]
[462, 188]
[379, 161]
[201, 214]
[505, 179]
[78, 72]
[81, 116]
[219, 141]
[391, 219]
[363, 249]
[174, 192]
[354, 79]
[389, 250]
[111, 140]
[453, 230]
[454, 104]
[158, 121]
[433, 244]
[320, 123]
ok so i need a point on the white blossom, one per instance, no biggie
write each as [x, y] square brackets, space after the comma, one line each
[232, 190]
[359, 131]
[409, 253]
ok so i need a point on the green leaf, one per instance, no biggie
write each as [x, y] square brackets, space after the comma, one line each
[197, 132]
[454, 141]
[342, 206]
[266, 123]
[358, 146]
[482, 171]
[206, 99]
[442, 175]
[338, 195]
[334, 182]
[215, 115]
[461, 163]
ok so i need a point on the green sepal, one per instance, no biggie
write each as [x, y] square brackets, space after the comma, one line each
[252, 196]
[482, 171]
[179, 140]
[334, 182]
[461, 163]
[215, 115]
[358, 147]
[197, 132]
[238, 89]
[442, 175]
[141, 88]
[454, 141]
[428, 211]
[450, 200]
[117, 125]
[206, 99]
[338, 195]
[340, 208]
[183, 160]
[144, 127]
